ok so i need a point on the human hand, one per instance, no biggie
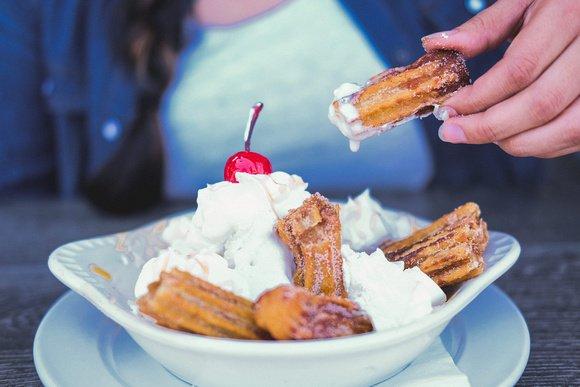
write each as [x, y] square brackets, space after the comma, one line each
[527, 103]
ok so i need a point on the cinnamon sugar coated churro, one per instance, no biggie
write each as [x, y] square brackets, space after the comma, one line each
[293, 313]
[313, 234]
[187, 303]
[397, 95]
[450, 250]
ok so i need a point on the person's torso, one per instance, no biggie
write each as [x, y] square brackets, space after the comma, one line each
[290, 58]
[90, 99]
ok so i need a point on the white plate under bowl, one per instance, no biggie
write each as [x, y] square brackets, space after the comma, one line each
[77, 345]
[357, 360]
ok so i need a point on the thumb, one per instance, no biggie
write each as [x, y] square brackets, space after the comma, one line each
[484, 31]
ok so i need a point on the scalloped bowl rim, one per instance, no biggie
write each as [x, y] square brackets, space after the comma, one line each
[465, 293]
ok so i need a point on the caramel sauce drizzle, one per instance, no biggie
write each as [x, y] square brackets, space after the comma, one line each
[100, 272]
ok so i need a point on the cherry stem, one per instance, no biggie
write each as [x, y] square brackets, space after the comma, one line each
[252, 118]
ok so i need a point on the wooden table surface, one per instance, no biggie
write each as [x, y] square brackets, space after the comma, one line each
[544, 282]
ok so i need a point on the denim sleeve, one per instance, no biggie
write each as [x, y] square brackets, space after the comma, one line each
[26, 136]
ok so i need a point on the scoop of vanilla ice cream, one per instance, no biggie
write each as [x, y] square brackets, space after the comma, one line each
[391, 295]
[182, 236]
[346, 117]
[345, 89]
[236, 221]
[365, 224]
[285, 192]
[206, 265]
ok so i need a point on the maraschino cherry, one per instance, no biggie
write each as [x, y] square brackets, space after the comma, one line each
[246, 160]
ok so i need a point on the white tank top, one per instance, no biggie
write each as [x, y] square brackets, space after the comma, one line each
[291, 59]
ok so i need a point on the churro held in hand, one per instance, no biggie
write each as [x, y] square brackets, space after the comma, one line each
[397, 95]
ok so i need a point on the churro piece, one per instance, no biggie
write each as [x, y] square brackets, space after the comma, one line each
[293, 313]
[450, 250]
[187, 303]
[312, 232]
[397, 95]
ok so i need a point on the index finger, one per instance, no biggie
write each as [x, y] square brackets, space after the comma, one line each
[530, 53]
[484, 31]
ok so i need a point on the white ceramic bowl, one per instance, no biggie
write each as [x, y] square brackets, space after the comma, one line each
[352, 361]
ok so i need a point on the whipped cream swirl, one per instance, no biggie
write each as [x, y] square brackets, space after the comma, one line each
[391, 295]
[365, 223]
[235, 222]
[205, 265]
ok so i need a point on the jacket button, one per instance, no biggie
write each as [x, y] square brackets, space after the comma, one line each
[111, 130]
[475, 6]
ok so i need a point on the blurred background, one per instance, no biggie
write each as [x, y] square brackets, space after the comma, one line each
[115, 112]
[130, 102]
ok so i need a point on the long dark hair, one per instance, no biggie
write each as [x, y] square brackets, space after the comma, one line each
[146, 36]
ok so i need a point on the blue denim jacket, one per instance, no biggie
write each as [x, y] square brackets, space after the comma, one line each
[66, 102]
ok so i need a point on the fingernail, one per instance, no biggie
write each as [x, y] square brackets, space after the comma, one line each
[452, 133]
[438, 35]
[443, 113]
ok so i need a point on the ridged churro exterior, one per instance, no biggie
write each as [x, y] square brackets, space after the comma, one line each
[450, 250]
[293, 313]
[313, 234]
[401, 93]
[188, 303]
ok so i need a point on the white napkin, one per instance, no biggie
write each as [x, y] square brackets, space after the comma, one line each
[433, 368]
